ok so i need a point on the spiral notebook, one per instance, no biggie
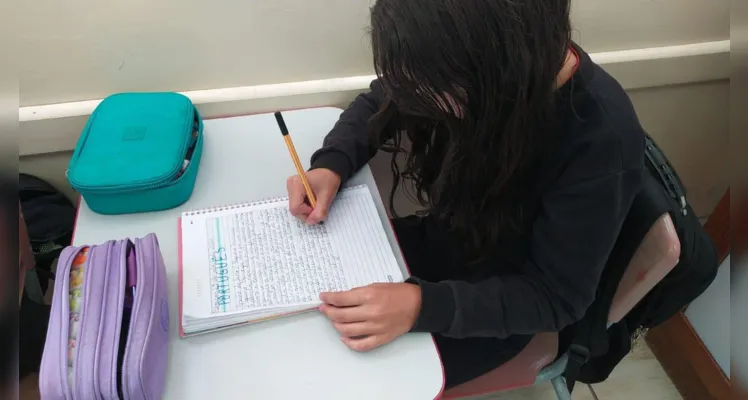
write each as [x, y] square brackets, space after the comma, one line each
[251, 262]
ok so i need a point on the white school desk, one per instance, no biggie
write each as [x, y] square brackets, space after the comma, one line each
[297, 357]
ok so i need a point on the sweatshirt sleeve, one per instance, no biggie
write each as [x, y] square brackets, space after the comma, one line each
[576, 228]
[350, 145]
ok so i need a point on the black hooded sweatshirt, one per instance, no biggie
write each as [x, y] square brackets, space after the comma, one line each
[545, 278]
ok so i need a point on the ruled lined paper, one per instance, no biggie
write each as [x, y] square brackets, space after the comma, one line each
[261, 257]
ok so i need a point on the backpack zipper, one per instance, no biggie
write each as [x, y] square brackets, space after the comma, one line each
[667, 175]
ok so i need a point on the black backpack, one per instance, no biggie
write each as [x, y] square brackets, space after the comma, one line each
[595, 349]
[49, 217]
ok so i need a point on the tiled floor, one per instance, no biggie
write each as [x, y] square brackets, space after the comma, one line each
[639, 376]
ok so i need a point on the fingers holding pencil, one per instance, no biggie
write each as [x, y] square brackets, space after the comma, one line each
[324, 184]
[310, 193]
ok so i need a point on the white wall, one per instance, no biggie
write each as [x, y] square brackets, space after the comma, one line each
[605, 25]
[80, 50]
[691, 123]
[710, 317]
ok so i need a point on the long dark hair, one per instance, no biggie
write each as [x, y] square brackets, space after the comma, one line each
[470, 85]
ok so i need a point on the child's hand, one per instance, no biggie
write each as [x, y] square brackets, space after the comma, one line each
[325, 184]
[374, 315]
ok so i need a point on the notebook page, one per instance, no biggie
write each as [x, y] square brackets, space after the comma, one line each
[260, 257]
[356, 232]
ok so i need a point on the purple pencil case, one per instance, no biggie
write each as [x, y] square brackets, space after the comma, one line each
[109, 324]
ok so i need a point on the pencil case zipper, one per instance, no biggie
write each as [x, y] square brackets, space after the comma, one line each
[107, 360]
[173, 177]
[150, 318]
[99, 319]
[55, 352]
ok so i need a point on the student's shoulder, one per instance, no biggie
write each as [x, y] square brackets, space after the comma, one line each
[605, 121]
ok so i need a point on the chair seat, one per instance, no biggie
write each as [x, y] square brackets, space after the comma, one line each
[519, 372]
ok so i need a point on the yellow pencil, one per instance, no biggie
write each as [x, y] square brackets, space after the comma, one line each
[296, 161]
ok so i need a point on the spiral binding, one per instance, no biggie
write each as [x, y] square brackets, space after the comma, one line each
[227, 207]
[269, 200]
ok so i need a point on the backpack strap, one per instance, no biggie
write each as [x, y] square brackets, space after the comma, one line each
[590, 336]
[578, 355]
[659, 166]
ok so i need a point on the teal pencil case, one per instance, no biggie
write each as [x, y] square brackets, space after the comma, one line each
[139, 152]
